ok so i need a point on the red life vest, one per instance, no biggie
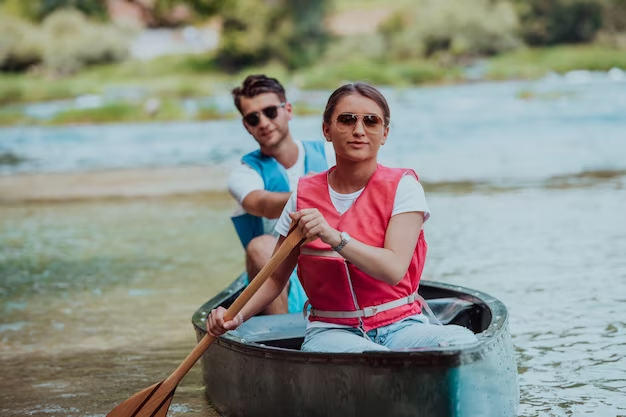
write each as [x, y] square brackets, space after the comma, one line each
[332, 283]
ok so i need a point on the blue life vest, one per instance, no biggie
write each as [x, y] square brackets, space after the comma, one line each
[275, 178]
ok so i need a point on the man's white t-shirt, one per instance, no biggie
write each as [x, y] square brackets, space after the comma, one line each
[244, 179]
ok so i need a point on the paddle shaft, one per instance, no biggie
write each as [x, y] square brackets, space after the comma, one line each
[294, 238]
[155, 401]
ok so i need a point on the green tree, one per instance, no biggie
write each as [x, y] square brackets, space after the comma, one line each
[92, 8]
[549, 22]
[614, 16]
[38, 10]
[201, 7]
[255, 32]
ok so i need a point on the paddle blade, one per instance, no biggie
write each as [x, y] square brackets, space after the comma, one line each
[151, 402]
[164, 408]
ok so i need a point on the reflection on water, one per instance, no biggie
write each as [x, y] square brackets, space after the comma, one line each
[92, 383]
[557, 259]
[75, 341]
[96, 297]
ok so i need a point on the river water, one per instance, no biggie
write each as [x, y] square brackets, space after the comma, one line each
[527, 186]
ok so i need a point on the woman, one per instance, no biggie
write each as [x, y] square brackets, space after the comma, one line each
[361, 270]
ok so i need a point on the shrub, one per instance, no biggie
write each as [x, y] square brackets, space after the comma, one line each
[37, 10]
[460, 28]
[74, 43]
[19, 45]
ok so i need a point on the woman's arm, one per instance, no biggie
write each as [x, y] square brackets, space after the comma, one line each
[388, 264]
[265, 295]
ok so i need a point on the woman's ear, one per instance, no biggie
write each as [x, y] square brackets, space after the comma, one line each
[326, 131]
[385, 133]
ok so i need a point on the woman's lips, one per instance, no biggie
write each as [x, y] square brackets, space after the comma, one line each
[357, 144]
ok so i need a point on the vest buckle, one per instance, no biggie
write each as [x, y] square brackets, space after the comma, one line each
[370, 311]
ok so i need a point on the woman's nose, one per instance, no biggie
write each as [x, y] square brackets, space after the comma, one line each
[359, 128]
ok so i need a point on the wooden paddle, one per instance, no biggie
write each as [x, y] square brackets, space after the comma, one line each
[155, 400]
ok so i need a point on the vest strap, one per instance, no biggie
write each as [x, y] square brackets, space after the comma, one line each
[367, 311]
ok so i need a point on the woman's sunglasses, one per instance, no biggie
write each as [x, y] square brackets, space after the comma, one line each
[253, 119]
[347, 121]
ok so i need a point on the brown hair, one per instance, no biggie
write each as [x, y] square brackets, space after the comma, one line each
[364, 89]
[257, 84]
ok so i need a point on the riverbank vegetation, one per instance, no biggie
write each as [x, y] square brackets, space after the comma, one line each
[60, 54]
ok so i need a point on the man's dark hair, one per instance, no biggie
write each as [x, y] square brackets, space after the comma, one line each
[257, 84]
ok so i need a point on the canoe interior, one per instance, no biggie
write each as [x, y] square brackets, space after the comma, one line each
[286, 331]
[259, 370]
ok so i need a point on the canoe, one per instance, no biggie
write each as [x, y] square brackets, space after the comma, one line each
[258, 369]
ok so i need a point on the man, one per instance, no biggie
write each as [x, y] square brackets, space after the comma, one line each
[264, 180]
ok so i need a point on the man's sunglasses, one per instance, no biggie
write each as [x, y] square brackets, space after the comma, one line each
[253, 119]
[347, 121]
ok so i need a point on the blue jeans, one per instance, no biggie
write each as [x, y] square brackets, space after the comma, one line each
[411, 332]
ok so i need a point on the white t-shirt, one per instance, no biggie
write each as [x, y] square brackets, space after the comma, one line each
[409, 197]
[244, 179]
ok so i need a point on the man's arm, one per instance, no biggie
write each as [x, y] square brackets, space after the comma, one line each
[263, 203]
[247, 187]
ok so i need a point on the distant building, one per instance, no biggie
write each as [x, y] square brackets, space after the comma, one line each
[141, 13]
[123, 11]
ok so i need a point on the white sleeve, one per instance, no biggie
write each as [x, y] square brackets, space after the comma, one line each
[284, 221]
[410, 197]
[242, 181]
[329, 149]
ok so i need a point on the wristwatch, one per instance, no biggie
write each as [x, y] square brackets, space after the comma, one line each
[345, 238]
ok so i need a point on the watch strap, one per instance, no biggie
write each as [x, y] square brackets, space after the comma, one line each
[345, 238]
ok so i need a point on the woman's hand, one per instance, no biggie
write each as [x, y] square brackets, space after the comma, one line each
[215, 324]
[314, 225]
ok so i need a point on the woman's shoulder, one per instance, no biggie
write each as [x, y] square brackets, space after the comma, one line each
[314, 177]
[397, 173]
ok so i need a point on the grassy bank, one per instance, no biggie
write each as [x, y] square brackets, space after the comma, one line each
[127, 86]
[536, 62]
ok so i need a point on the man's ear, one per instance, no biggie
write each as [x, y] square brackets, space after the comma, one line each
[289, 110]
